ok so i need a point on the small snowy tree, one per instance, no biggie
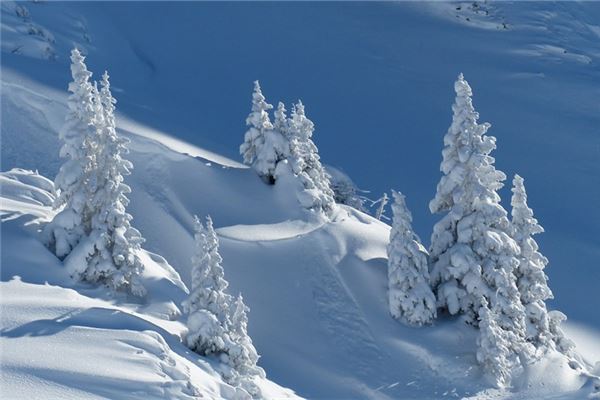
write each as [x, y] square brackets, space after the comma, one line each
[263, 146]
[207, 305]
[112, 258]
[494, 349]
[562, 343]
[241, 352]
[379, 212]
[259, 122]
[281, 122]
[70, 224]
[217, 325]
[543, 328]
[306, 165]
[410, 296]
[208, 278]
[245, 357]
[531, 279]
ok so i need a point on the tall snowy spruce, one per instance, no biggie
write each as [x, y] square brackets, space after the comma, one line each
[410, 297]
[473, 255]
[112, 256]
[543, 328]
[306, 164]
[69, 225]
[92, 232]
[217, 325]
[263, 145]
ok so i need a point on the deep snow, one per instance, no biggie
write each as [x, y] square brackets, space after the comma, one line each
[316, 291]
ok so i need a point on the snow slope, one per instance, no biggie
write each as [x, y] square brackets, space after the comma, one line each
[316, 291]
[376, 75]
[69, 341]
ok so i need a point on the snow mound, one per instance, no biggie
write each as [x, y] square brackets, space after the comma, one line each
[267, 232]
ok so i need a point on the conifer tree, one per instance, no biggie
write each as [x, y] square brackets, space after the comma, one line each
[410, 296]
[241, 352]
[208, 277]
[70, 224]
[246, 357]
[494, 347]
[261, 143]
[531, 279]
[473, 256]
[306, 165]
[543, 327]
[113, 257]
[217, 325]
[281, 122]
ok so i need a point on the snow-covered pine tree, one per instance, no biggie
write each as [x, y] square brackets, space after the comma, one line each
[242, 353]
[543, 327]
[281, 122]
[112, 259]
[531, 279]
[305, 163]
[494, 349]
[246, 358]
[69, 225]
[207, 305]
[410, 297]
[217, 325]
[262, 145]
[472, 254]
[208, 279]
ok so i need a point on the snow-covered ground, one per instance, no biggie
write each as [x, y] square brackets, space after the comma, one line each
[317, 292]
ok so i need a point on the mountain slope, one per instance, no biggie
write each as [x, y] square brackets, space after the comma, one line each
[317, 291]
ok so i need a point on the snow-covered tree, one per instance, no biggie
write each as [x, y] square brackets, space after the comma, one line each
[382, 202]
[531, 279]
[207, 305]
[562, 343]
[245, 357]
[208, 281]
[494, 349]
[543, 327]
[69, 225]
[264, 146]
[217, 325]
[241, 352]
[305, 163]
[93, 231]
[258, 122]
[113, 258]
[410, 296]
[281, 122]
[473, 255]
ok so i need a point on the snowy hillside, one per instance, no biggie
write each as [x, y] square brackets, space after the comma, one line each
[316, 288]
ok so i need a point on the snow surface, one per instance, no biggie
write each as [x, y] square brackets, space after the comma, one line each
[317, 292]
